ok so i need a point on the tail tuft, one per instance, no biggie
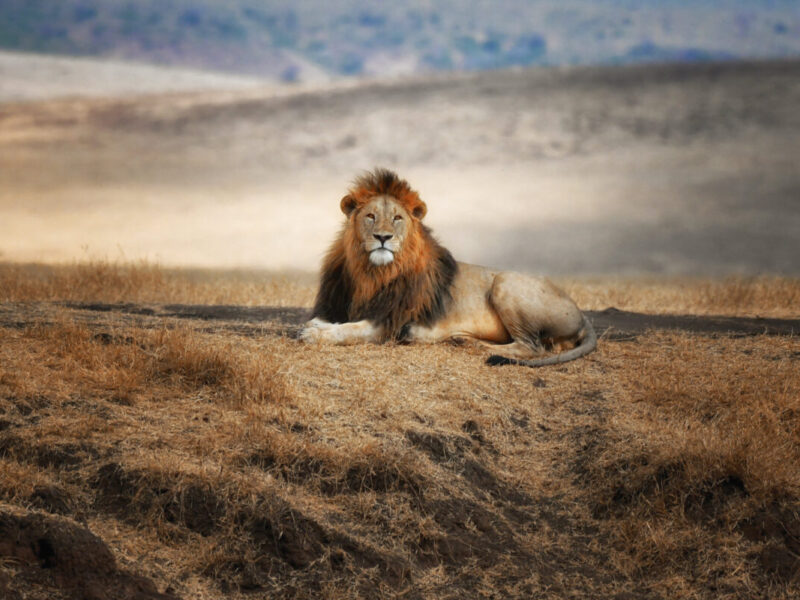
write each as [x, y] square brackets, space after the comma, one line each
[495, 360]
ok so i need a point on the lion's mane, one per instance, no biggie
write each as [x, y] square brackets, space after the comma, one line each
[413, 288]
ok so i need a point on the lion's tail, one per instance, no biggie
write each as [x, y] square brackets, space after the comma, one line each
[587, 344]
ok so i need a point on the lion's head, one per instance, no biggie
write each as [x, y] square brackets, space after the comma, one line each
[385, 265]
[382, 226]
[384, 216]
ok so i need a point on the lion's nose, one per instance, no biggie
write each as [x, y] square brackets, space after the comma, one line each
[382, 238]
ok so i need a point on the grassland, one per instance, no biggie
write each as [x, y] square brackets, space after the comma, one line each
[162, 458]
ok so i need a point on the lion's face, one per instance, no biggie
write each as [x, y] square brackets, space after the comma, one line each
[382, 226]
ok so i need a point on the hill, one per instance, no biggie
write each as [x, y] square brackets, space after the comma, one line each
[25, 76]
[308, 40]
[674, 169]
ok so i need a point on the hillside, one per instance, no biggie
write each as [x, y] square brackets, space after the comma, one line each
[671, 169]
[155, 446]
[306, 41]
[25, 76]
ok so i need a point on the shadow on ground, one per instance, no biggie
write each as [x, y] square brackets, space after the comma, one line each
[612, 323]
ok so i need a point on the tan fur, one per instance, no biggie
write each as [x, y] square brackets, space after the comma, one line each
[517, 315]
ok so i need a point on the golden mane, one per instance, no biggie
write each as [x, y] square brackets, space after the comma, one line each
[415, 287]
[382, 182]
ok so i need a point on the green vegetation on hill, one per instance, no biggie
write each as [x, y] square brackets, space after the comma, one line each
[302, 40]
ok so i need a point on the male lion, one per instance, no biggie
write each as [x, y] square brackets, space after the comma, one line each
[387, 278]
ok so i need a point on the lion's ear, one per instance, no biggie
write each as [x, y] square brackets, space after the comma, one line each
[348, 205]
[420, 210]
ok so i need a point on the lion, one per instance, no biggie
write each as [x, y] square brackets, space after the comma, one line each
[387, 278]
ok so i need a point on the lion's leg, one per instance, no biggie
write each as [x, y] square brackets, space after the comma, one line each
[322, 332]
[421, 334]
[536, 314]
[432, 335]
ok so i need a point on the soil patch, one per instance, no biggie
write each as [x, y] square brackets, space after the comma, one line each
[620, 324]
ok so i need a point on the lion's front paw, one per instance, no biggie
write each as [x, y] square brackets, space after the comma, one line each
[310, 335]
[315, 331]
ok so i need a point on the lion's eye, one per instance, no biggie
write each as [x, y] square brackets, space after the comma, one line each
[371, 216]
[398, 218]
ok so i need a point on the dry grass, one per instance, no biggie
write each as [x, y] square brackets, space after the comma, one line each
[765, 296]
[125, 365]
[705, 458]
[219, 465]
[143, 282]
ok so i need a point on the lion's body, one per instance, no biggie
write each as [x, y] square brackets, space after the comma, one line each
[386, 278]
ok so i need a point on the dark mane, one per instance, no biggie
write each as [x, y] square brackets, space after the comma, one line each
[335, 293]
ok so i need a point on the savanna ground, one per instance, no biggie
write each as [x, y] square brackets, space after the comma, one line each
[153, 456]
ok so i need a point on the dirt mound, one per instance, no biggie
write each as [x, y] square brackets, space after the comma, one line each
[473, 516]
[779, 527]
[56, 554]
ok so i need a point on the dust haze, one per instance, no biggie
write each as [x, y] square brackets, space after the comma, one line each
[681, 170]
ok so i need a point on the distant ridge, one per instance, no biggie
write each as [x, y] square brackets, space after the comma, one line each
[315, 40]
[26, 76]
